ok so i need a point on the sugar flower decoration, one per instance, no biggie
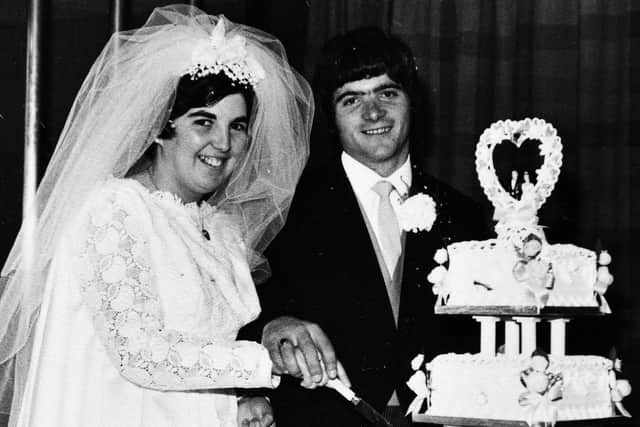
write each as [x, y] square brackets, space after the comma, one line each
[604, 276]
[604, 258]
[417, 213]
[418, 384]
[416, 362]
[437, 275]
[228, 55]
[441, 256]
[534, 269]
[531, 247]
[604, 279]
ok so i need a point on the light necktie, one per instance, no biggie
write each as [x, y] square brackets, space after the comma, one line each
[388, 228]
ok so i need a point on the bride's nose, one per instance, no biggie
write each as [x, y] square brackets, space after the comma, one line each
[221, 140]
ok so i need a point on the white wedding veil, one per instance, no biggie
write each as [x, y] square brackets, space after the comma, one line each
[123, 104]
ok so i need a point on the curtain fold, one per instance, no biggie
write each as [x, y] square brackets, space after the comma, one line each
[328, 18]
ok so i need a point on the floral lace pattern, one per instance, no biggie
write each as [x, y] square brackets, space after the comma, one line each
[117, 287]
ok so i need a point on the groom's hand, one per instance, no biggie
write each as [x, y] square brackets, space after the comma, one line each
[298, 347]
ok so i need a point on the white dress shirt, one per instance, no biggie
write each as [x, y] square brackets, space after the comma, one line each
[363, 179]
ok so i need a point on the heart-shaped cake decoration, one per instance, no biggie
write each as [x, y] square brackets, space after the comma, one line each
[526, 192]
[517, 165]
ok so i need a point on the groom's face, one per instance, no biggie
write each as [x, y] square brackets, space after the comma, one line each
[372, 118]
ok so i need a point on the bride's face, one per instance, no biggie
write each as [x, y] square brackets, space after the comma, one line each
[207, 145]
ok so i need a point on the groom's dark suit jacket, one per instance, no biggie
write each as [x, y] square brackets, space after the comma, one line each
[325, 270]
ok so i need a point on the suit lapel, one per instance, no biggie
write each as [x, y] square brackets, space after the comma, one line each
[416, 296]
[358, 247]
[420, 246]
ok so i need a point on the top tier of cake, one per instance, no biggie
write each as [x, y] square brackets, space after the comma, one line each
[494, 273]
[519, 268]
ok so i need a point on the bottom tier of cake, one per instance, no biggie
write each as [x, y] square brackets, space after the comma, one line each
[506, 387]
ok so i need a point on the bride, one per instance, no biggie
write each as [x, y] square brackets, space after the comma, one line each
[174, 171]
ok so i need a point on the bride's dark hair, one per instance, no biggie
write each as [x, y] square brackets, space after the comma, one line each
[203, 92]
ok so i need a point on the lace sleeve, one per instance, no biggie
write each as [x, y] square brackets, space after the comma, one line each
[115, 284]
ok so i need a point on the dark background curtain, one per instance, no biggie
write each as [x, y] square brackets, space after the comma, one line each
[573, 63]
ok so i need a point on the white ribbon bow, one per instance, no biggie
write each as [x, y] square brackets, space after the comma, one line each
[418, 384]
[619, 390]
[542, 412]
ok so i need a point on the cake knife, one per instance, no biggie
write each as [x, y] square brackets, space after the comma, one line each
[365, 409]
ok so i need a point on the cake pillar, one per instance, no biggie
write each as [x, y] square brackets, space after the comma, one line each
[487, 334]
[512, 338]
[529, 340]
[558, 336]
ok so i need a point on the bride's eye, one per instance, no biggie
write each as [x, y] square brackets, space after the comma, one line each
[239, 126]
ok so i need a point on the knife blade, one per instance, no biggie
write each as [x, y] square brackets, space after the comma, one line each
[365, 409]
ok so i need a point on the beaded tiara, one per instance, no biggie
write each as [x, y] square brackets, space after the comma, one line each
[227, 55]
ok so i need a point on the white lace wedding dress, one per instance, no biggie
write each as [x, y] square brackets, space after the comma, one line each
[140, 316]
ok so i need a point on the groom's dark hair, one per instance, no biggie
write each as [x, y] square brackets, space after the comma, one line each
[361, 54]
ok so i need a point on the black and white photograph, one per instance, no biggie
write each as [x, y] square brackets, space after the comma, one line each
[319, 213]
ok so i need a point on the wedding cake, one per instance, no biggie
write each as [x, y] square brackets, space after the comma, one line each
[520, 279]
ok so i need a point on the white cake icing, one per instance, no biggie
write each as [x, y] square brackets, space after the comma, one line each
[480, 273]
[488, 387]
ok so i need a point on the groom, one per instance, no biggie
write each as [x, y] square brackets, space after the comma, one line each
[348, 282]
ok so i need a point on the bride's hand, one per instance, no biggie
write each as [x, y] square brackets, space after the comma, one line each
[255, 411]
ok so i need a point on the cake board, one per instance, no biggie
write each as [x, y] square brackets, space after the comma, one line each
[421, 419]
[527, 311]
